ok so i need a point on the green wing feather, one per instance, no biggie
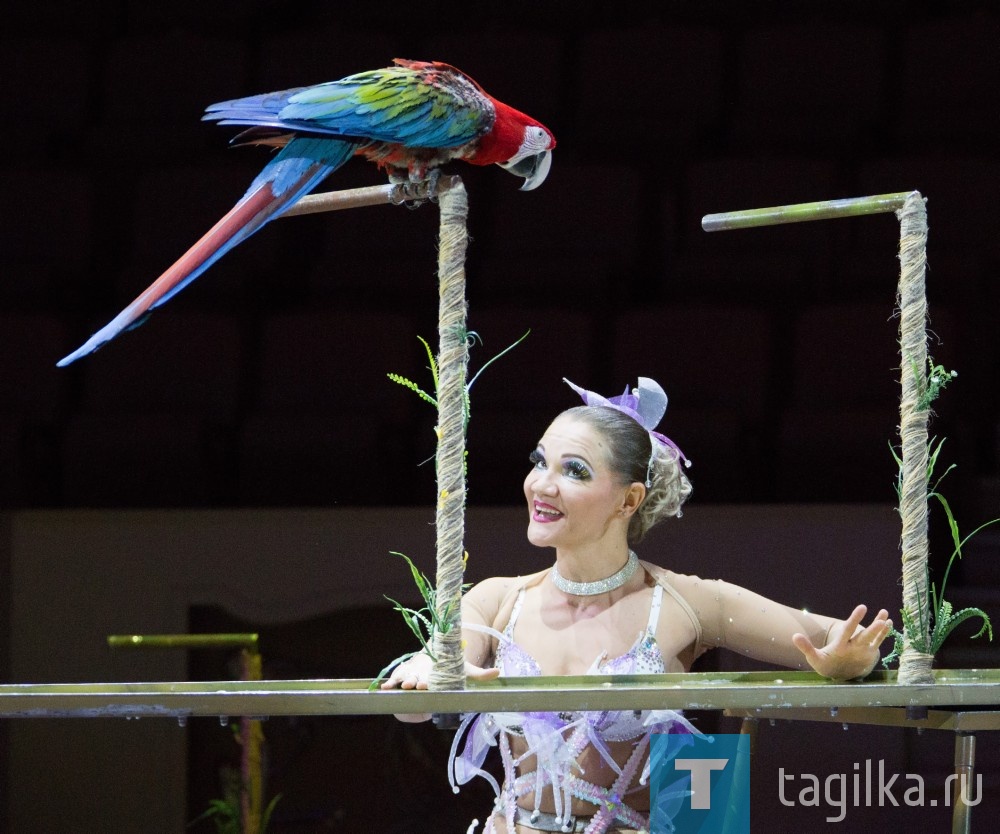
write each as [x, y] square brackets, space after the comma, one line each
[429, 108]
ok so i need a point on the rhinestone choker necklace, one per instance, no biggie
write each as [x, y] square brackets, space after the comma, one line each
[601, 586]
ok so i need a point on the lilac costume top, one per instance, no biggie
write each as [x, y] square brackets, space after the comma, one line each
[557, 740]
[705, 614]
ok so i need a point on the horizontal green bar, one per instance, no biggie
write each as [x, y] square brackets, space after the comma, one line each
[956, 722]
[802, 212]
[182, 641]
[708, 690]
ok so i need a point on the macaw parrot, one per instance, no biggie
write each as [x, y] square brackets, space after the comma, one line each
[409, 119]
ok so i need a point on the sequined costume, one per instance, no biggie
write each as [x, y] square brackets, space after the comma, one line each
[700, 614]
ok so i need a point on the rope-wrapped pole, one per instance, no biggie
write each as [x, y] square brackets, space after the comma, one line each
[453, 361]
[914, 665]
[911, 211]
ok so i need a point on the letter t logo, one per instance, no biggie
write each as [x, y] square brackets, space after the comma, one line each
[701, 779]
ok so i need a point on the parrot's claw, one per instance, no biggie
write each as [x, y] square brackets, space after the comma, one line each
[432, 180]
[412, 192]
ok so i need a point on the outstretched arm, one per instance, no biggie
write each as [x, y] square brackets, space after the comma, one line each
[753, 625]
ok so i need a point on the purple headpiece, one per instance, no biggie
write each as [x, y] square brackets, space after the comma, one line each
[646, 405]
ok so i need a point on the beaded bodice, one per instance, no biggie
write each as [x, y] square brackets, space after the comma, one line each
[557, 740]
[643, 658]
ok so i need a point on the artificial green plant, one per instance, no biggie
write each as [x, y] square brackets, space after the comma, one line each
[424, 622]
[433, 367]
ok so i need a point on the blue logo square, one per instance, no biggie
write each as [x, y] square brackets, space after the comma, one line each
[699, 784]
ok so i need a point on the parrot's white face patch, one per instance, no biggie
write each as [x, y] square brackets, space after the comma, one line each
[536, 140]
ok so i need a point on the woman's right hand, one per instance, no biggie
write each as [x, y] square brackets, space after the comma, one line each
[415, 674]
[410, 674]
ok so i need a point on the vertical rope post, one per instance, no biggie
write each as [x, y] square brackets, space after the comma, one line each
[251, 752]
[453, 362]
[914, 665]
[911, 211]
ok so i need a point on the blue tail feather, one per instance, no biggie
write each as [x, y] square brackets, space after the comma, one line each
[300, 166]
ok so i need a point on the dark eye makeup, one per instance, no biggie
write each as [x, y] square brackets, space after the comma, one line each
[572, 468]
[577, 469]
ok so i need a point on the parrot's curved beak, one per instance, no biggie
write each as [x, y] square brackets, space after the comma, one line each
[534, 169]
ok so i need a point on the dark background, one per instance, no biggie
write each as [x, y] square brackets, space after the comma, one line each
[264, 383]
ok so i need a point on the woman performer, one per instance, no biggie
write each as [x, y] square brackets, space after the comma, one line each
[601, 477]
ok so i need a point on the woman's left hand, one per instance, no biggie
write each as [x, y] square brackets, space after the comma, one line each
[851, 650]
